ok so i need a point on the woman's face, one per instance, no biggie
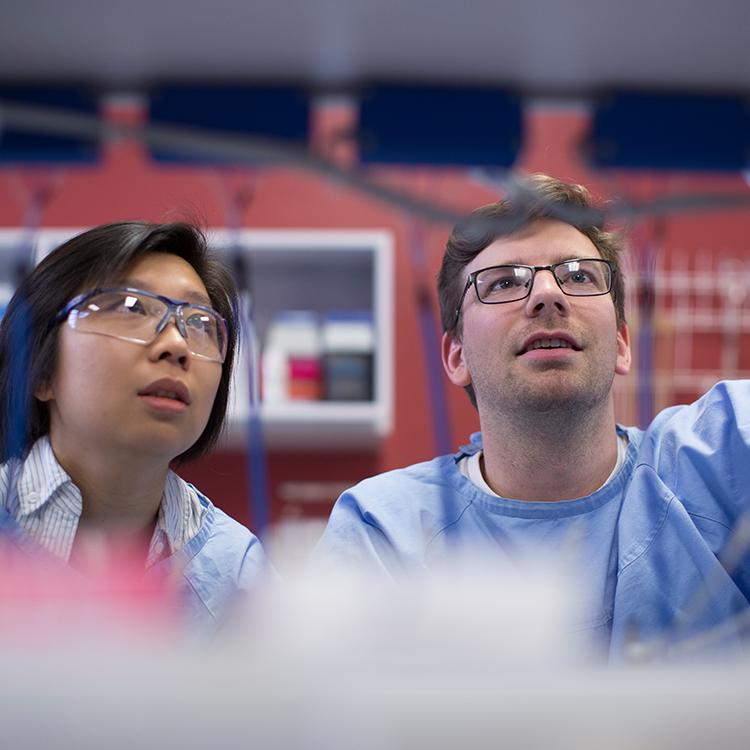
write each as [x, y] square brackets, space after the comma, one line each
[131, 399]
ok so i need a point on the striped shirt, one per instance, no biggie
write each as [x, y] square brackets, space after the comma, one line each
[42, 499]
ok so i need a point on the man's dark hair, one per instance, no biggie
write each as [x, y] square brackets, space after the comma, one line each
[538, 197]
[98, 257]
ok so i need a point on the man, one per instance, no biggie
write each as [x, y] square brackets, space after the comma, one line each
[532, 308]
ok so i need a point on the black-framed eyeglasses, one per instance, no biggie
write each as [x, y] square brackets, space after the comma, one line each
[139, 316]
[583, 277]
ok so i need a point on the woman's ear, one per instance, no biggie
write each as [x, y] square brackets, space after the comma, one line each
[44, 391]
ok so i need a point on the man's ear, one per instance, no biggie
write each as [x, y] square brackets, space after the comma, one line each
[453, 360]
[623, 350]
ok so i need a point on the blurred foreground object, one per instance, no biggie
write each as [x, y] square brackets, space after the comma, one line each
[52, 607]
[463, 663]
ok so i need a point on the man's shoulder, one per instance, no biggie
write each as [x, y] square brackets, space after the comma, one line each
[433, 489]
[697, 456]
[386, 522]
[439, 469]
[437, 472]
[719, 416]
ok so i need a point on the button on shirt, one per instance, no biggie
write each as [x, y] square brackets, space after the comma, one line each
[47, 505]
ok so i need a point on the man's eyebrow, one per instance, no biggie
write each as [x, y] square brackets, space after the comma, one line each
[562, 258]
[188, 296]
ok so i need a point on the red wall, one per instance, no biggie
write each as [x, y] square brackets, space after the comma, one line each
[127, 185]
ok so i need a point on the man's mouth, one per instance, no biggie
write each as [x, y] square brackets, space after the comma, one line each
[551, 343]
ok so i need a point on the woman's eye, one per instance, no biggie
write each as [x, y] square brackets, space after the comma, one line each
[117, 304]
[133, 305]
[199, 322]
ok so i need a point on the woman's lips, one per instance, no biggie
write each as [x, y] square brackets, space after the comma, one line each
[166, 395]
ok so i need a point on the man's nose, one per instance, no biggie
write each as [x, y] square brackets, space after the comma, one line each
[546, 292]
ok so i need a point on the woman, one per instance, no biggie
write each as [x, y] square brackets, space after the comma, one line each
[116, 355]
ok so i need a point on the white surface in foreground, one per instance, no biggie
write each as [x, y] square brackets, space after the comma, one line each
[475, 662]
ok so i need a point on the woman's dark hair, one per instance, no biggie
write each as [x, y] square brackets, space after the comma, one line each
[29, 337]
[538, 197]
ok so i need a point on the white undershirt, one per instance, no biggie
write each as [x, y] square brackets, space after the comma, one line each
[471, 466]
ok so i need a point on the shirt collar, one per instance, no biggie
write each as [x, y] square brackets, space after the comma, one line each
[180, 518]
[41, 477]
[180, 515]
[472, 448]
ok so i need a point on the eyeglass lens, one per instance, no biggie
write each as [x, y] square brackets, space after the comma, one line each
[136, 317]
[580, 278]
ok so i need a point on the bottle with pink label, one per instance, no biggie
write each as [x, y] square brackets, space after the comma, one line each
[292, 368]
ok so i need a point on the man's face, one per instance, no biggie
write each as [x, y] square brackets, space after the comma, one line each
[499, 352]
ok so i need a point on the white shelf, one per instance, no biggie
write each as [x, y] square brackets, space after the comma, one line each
[318, 425]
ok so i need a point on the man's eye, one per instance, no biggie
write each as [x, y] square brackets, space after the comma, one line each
[502, 283]
[507, 282]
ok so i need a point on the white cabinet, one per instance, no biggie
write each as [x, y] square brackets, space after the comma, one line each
[320, 271]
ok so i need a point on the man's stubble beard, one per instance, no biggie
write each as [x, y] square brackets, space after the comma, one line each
[550, 403]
